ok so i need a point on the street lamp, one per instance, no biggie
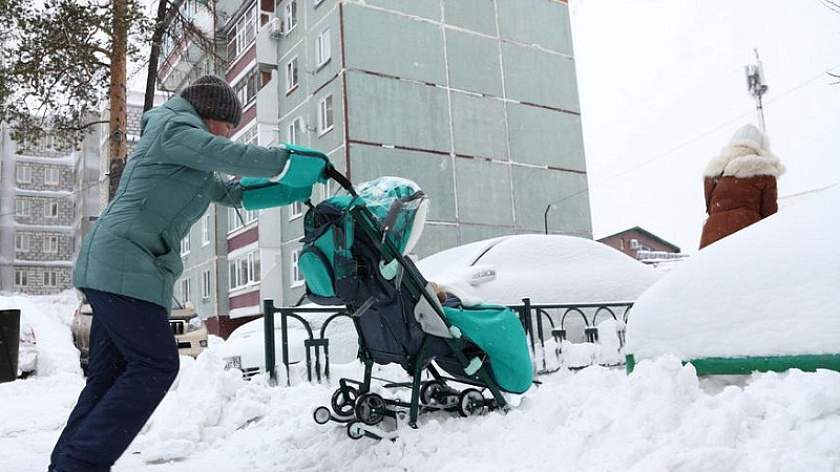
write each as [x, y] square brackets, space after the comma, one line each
[757, 87]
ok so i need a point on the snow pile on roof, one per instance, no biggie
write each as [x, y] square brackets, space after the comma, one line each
[770, 289]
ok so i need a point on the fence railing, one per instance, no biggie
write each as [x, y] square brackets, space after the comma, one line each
[575, 322]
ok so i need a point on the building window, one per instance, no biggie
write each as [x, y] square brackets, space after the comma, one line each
[249, 136]
[323, 54]
[21, 207]
[52, 176]
[236, 217]
[296, 276]
[50, 278]
[205, 285]
[325, 115]
[51, 244]
[205, 230]
[49, 141]
[325, 190]
[186, 288]
[21, 242]
[295, 210]
[246, 89]
[291, 74]
[23, 174]
[243, 33]
[185, 245]
[290, 17]
[51, 209]
[295, 130]
[22, 277]
[244, 270]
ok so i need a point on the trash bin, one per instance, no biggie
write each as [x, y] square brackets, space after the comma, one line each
[9, 344]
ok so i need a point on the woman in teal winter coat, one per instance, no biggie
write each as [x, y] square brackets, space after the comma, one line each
[129, 262]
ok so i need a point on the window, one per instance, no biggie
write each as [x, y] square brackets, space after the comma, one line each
[21, 242]
[295, 210]
[51, 209]
[296, 277]
[244, 270]
[235, 218]
[291, 74]
[185, 245]
[205, 285]
[50, 278]
[323, 53]
[295, 130]
[290, 17]
[186, 286]
[51, 244]
[325, 115]
[24, 174]
[21, 207]
[246, 89]
[22, 277]
[49, 141]
[243, 33]
[52, 176]
[205, 230]
[249, 136]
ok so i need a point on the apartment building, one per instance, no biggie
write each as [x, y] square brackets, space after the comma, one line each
[37, 214]
[475, 101]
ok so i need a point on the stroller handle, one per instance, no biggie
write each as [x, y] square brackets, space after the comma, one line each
[331, 172]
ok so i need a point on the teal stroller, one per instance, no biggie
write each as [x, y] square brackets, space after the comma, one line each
[354, 254]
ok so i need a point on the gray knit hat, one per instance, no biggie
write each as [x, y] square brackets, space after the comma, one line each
[213, 99]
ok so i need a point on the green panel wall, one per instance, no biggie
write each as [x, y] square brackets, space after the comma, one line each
[471, 233]
[545, 23]
[474, 15]
[545, 137]
[483, 189]
[394, 44]
[479, 126]
[474, 63]
[423, 8]
[432, 172]
[436, 238]
[540, 77]
[390, 111]
[535, 189]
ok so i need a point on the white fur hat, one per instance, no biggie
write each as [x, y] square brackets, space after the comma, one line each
[751, 136]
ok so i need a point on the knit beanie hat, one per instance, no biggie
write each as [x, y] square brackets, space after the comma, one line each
[213, 99]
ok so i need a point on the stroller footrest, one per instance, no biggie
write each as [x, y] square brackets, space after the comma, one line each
[474, 365]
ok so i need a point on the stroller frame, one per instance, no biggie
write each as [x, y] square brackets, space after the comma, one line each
[362, 409]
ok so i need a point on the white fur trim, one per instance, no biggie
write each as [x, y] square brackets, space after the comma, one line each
[743, 159]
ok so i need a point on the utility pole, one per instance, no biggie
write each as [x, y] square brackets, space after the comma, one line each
[757, 87]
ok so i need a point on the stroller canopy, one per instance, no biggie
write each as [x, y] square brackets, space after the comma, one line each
[389, 194]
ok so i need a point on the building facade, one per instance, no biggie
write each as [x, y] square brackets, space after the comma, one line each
[639, 243]
[477, 102]
[37, 214]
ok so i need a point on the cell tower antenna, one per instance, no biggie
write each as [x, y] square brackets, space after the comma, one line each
[757, 87]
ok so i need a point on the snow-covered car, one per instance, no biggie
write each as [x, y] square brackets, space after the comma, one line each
[190, 331]
[544, 268]
[27, 349]
[244, 349]
[547, 269]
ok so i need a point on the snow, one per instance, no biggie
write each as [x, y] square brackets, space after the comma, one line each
[662, 417]
[770, 289]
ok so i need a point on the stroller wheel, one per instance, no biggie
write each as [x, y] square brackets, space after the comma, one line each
[370, 408]
[321, 415]
[429, 392]
[354, 430]
[471, 402]
[344, 401]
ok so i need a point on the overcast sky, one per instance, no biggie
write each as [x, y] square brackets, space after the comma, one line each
[662, 89]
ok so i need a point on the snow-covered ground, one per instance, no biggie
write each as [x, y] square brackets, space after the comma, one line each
[659, 418]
